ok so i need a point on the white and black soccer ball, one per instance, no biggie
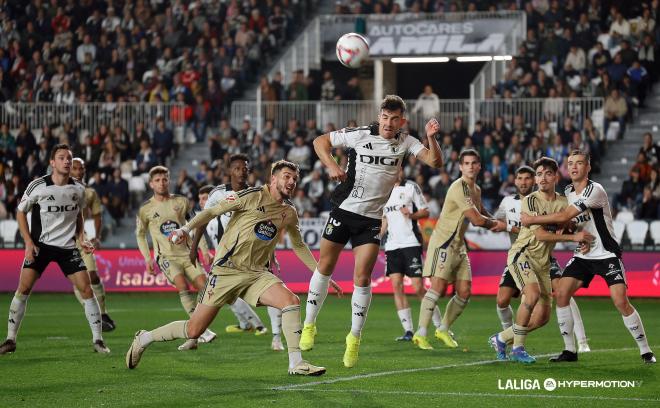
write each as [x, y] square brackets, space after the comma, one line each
[352, 50]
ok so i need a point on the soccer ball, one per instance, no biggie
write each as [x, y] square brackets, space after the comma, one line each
[352, 50]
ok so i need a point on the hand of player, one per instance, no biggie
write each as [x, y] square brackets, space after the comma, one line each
[583, 236]
[499, 226]
[96, 242]
[584, 247]
[150, 267]
[178, 236]
[336, 173]
[87, 247]
[432, 127]
[405, 211]
[337, 288]
[526, 220]
[31, 251]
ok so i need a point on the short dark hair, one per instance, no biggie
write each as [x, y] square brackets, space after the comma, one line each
[158, 170]
[61, 146]
[206, 189]
[238, 157]
[547, 163]
[393, 103]
[525, 169]
[578, 152]
[468, 152]
[281, 164]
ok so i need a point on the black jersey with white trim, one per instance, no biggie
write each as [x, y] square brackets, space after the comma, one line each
[373, 166]
[54, 211]
[596, 218]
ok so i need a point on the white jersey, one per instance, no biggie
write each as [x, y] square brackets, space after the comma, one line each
[54, 211]
[595, 218]
[402, 232]
[373, 166]
[509, 210]
[217, 226]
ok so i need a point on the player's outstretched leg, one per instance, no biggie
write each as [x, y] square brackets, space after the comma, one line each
[318, 291]
[16, 313]
[275, 316]
[428, 305]
[578, 328]
[632, 321]
[278, 296]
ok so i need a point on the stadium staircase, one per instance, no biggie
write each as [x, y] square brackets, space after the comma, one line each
[622, 154]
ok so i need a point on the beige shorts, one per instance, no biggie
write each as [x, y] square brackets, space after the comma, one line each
[173, 266]
[224, 285]
[447, 263]
[525, 272]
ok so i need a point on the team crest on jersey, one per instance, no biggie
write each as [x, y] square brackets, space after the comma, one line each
[265, 230]
[74, 197]
[328, 229]
[168, 227]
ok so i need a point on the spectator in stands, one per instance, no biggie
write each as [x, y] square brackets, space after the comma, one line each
[578, 143]
[617, 69]
[351, 91]
[654, 183]
[650, 149]
[488, 149]
[498, 169]
[200, 117]
[146, 158]
[514, 147]
[631, 192]
[303, 203]
[647, 56]
[186, 185]
[300, 154]
[297, 89]
[441, 188]
[7, 143]
[328, 87]
[109, 159]
[116, 196]
[552, 106]
[428, 103]
[163, 141]
[534, 151]
[615, 110]
[649, 209]
[458, 133]
[619, 29]
[642, 167]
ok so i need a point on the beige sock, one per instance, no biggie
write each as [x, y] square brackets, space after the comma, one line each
[171, 331]
[426, 310]
[506, 335]
[454, 309]
[291, 327]
[99, 291]
[188, 301]
[519, 335]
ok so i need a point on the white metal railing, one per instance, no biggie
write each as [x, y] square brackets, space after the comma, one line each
[304, 53]
[339, 113]
[91, 115]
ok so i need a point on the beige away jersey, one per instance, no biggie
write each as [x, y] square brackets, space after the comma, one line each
[92, 201]
[451, 226]
[251, 235]
[535, 250]
[160, 218]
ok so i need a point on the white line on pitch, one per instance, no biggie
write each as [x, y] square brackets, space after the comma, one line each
[421, 369]
[475, 394]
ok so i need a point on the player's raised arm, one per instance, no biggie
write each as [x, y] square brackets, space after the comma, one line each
[323, 148]
[233, 202]
[431, 156]
[561, 217]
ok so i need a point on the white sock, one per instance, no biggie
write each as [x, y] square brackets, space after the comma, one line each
[565, 321]
[360, 302]
[437, 317]
[506, 316]
[318, 290]
[295, 357]
[405, 316]
[634, 324]
[275, 315]
[578, 326]
[93, 314]
[16, 313]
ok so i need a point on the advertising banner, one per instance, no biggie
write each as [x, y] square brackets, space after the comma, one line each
[124, 271]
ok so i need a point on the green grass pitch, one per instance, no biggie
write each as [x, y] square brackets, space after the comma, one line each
[55, 366]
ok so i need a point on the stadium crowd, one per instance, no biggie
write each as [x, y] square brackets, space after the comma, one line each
[205, 52]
